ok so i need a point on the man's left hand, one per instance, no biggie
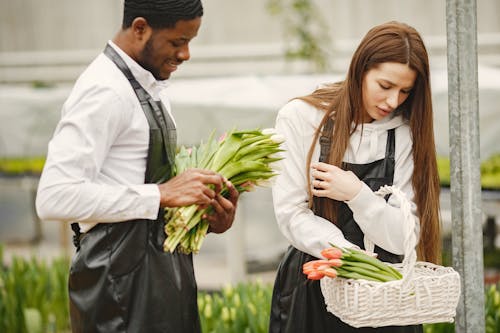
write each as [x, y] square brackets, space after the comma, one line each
[224, 210]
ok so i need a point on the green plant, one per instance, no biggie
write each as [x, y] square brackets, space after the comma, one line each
[490, 171]
[34, 298]
[306, 32]
[33, 295]
[244, 308]
[21, 165]
[492, 309]
[246, 158]
[439, 328]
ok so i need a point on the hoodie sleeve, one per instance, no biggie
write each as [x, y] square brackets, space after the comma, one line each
[381, 221]
[304, 230]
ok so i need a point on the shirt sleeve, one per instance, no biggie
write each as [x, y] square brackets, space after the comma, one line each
[304, 230]
[71, 187]
[382, 222]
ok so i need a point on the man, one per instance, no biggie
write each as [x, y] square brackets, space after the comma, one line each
[109, 168]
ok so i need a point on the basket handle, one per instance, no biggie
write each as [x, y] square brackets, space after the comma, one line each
[410, 225]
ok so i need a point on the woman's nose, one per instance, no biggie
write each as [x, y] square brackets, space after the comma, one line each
[393, 99]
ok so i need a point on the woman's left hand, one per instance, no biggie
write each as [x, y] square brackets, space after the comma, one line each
[334, 183]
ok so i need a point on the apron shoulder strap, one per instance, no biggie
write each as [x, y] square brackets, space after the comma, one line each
[153, 110]
[391, 144]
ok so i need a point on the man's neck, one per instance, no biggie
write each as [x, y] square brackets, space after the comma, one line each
[122, 40]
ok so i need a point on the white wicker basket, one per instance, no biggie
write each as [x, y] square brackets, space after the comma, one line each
[427, 293]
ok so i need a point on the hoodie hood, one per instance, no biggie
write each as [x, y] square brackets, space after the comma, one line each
[372, 135]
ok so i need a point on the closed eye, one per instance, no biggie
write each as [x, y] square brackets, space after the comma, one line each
[179, 42]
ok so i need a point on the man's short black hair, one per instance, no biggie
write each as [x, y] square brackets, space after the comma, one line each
[161, 13]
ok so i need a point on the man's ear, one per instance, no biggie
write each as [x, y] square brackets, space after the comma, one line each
[141, 29]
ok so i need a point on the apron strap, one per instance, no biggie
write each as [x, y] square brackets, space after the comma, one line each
[157, 119]
[147, 104]
[391, 144]
[325, 141]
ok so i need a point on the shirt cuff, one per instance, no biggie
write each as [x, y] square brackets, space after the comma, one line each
[148, 204]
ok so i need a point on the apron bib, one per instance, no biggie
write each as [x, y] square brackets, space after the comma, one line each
[297, 302]
[120, 278]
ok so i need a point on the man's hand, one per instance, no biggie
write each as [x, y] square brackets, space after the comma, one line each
[224, 209]
[191, 187]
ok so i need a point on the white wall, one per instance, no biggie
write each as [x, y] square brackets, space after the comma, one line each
[53, 40]
[34, 25]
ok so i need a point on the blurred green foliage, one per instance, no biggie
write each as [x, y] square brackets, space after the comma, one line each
[33, 295]
[306, 32]
[244, 308]
[21, 166]
[490, 169]
[490, 172]
[34, 299]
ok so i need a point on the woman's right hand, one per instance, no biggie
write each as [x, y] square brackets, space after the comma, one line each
[333, 182]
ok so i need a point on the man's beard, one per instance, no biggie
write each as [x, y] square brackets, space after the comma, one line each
[145, 56]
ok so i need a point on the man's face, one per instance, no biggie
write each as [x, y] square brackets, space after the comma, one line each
[168, 48]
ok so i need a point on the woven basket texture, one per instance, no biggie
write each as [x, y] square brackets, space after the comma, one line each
[427, 293]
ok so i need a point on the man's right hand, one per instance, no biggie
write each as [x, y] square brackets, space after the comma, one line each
[191, 187]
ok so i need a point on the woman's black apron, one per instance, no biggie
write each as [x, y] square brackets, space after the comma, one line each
[120, 278]
[298, 304]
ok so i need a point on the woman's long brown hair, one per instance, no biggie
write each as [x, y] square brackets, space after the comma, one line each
[342, 101]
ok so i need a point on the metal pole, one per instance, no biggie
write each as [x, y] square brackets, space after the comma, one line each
[465, 187]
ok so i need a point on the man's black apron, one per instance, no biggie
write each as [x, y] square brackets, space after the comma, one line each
[298, 304]
[120, 278]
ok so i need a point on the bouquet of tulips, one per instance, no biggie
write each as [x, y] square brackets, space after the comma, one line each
[349, 264]
[246, 158]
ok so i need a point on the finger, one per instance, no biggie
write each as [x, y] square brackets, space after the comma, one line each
[233, 192]
[214, 179]
[226, 205]
[208, 193]
[320, 166]
[217, 204]
[220, 184]
[319, 192]
[320, 175]
[207, 177]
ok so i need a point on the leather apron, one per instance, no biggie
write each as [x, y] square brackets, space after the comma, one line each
[297, 303]
[120, 278]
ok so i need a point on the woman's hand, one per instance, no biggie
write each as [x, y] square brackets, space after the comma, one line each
[334, 183]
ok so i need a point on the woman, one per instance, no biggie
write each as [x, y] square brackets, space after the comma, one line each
[343, 142]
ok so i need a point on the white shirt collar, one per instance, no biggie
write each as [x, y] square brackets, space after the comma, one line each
[143, 76]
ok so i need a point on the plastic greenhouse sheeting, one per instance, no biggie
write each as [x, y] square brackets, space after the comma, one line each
[28, 118]
[28, 115]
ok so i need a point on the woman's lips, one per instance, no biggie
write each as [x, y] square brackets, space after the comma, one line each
[383, 111]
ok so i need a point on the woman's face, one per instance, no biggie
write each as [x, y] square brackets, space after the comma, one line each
[385, 87]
